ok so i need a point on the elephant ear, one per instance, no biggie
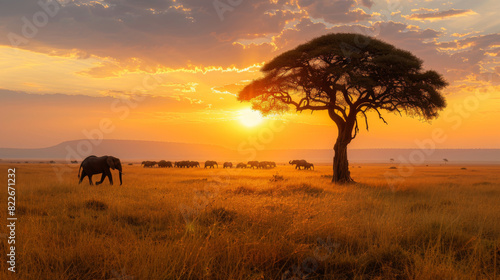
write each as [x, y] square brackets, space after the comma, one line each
[111, 162]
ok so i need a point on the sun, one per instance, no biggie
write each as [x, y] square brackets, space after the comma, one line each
[250, 118]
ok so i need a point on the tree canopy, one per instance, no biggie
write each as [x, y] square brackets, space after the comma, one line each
[347, 75]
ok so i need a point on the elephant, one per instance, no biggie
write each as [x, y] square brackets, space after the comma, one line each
[211, 164]
[299, 163]
[309, 166]
[164, 164]
[263, 165]
[99, 165]
[149, 163]
[241, 165]
[253, 164]
[186, 164]
[267, 164]
[228, 165]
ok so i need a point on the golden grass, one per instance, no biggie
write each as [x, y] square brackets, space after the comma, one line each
[442, 222]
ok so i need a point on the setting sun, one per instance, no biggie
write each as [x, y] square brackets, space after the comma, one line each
[250, 118]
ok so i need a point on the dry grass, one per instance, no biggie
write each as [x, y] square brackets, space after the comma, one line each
[442, 222]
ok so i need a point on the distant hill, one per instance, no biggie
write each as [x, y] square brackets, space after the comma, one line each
[133, 150]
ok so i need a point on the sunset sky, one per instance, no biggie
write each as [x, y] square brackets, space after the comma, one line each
[65, 67]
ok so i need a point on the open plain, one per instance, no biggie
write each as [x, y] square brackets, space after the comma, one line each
[434, 222]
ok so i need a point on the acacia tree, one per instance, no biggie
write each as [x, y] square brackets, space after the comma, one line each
[347, 75]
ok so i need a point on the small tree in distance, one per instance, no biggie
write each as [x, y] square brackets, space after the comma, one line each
[445, 160]
[347, 75]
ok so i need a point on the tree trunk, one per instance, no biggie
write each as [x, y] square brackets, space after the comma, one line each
[341, 174]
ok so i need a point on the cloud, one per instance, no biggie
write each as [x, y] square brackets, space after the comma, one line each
[464, 34]
[435, 15]
[158, 33]
[456, 59]
[187, 36]
[116, 68]
[424, 10]
[301, 32]
[477, 56]
[231, 89]
[336, 11]
[367, 3]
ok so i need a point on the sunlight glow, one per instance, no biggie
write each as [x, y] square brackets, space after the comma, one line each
[250, 118]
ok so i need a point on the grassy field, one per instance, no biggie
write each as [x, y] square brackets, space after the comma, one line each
[440, 222]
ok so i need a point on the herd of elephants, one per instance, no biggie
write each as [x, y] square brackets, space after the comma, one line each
[299, 164]
[102, 165]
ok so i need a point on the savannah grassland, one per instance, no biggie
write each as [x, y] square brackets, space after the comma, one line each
[442, 222]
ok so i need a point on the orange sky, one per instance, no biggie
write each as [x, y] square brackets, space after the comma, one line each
[66, 67]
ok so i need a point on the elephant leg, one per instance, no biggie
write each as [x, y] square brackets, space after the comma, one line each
[90, 179]
[102, 179]
[110, 177]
